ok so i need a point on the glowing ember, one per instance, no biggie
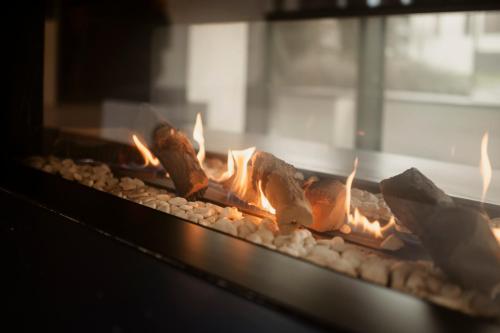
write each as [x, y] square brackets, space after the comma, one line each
[358, 221]
[146, 154]
[485, 166]
[264, 203]
[200, 139]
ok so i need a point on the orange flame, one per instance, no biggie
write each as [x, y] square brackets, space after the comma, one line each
[485, 166]
[264, 203]
[240, 170]
[358, 221]
[496, 233]
[348, 186]
[200, 139]
[237, 169]
[226, 174]
[146, 154]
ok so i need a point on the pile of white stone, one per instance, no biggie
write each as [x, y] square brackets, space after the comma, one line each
[420, 278]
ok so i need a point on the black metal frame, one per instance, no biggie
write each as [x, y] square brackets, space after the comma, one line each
[22, 118]
[307, 9]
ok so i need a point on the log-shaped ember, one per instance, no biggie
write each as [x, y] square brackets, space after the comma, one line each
[178, 157]
[327, 198]
[458, 239]
[269, 179]
[276, 179]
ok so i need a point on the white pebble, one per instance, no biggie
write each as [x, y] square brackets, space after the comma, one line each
[269, 224]
[150, 204]
[354, 256]
[218, 209]
[323, 255]
[282, 240]
[255, 238]
[399, 274]
[266, 235]
[289, 250]
[337, 244]
[343, 266]
[231, 213]
[177, 201]
[299, 235]
[246, 227]
[180, 213]
[164, 197]
[309, 241]
[375, 270]
[164, 207]
[225, 225]
[204, 211]
[127, 186]
[415, 282]
[145, 200]
[138, 182]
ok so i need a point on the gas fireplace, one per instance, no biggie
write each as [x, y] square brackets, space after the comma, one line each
[313, 164]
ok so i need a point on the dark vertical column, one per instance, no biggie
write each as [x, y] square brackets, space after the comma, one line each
[370, 83]
[257, 97]
[22, 117]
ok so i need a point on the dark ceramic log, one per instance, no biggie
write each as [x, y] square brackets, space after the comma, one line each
[458, 239]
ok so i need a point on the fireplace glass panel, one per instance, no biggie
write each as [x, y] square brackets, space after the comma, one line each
[305, 90]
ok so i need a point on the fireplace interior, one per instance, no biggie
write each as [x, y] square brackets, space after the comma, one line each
[306, 166]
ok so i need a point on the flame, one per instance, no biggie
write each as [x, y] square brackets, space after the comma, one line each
[264, 203]
[200, 139]
[239, 168]
[496, 233]
[146, 154]
[358, 221]
[485, 166]
[348, 185]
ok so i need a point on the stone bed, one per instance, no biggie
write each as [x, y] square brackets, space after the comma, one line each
[419, 278]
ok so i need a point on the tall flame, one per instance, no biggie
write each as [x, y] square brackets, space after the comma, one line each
[239, 184]
[348, 186]
[264, 203]
[237, 168]
[357, 220]
[146, 154]
[485, 166]
[237, 171]
[199, 137]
